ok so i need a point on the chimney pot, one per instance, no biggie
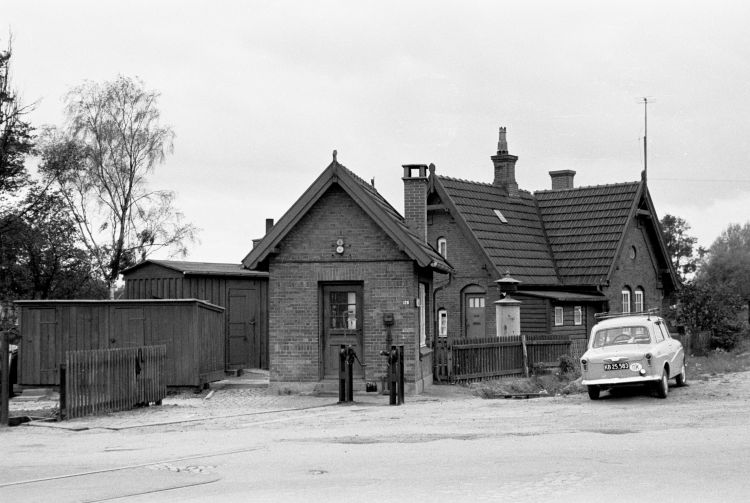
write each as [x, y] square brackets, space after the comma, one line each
[505, 166]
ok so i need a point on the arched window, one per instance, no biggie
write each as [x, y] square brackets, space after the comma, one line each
[442, 246]
[626, 299]
[639, 303]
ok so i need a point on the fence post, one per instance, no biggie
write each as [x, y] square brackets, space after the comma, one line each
[525, 356]
[63, 391]
[4, 379]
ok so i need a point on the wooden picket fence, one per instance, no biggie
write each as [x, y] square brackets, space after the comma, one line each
[109, 380]
[468, 360]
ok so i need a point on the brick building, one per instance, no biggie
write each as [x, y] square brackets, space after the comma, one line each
[339, 263]
[575, 251]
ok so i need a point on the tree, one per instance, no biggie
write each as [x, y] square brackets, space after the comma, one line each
[680, 245]
[728, 261]
[709, 307]
[16, 139]
[100, 161]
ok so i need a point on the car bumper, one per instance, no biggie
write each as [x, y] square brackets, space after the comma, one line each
[614, 381]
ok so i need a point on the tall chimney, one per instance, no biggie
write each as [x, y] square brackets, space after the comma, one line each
[415, 198]
[269, 224]
[505, 166]
[562, 179]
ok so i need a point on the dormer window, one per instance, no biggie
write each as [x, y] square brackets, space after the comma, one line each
[442, 246]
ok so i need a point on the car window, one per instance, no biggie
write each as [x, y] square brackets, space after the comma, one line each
[663, 329]
[659, 333]
[615, 336]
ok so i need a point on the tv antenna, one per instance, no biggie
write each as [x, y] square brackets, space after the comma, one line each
[644, 100]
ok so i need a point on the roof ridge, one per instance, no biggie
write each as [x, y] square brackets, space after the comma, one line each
[484, 184]
[582, 187]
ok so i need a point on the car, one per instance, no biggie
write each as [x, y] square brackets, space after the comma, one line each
[632, 349]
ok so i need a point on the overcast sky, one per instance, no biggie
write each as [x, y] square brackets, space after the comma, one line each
[260, 93]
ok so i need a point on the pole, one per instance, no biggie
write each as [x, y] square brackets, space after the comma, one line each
[645, 139]
[4, 379]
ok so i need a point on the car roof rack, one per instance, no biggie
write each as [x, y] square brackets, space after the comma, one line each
[606, 316]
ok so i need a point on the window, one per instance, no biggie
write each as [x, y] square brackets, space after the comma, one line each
[558, 316]
[638, 301]
[502, 218]
[442, 245]
[422, 314]
[577, 315]
[442, 323]
[343, 310]
[626, 300]
[476, 302]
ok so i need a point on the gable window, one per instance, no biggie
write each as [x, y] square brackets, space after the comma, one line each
[442, 246]
[638, 303]
[558, 316]
[422, 315]
[442, 323]
[577, 315]
[626, 300]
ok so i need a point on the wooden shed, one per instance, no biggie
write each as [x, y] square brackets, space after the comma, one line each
[192, 330]
[243, 294]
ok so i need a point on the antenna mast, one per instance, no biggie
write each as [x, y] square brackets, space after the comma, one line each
[645, 140]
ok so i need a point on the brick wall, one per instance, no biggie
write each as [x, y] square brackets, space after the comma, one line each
[308, 259]
[642, 271]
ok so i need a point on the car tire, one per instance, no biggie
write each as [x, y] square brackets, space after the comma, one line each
[662, 386]
[594, 392]
[681, 379]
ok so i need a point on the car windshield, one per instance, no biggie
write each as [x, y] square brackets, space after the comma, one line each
[621, 335]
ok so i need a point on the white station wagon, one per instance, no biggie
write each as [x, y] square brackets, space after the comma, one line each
[631, 349]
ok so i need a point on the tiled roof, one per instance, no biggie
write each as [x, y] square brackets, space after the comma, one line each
[518, 246]
[391, 212]
[584, 227]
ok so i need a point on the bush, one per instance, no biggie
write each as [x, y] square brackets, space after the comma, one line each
[726, 336]
[568, 365]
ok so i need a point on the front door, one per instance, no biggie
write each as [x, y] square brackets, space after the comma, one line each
[243, 345]
[342, 324]
[474, 315]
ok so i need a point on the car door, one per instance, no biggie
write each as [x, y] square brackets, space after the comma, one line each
[675, 355]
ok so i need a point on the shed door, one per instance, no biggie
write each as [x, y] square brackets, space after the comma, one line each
[244, 348]
[128, 330]
[342, 324]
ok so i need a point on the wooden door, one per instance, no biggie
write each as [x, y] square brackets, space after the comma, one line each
[244, 348]
[474, 315]
[342, 325]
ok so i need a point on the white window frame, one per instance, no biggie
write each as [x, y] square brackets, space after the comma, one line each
[442, 245]
[625, 300]
[577, 315]
[422, 315]
[442, 323]
[559, 316]
[638, 301]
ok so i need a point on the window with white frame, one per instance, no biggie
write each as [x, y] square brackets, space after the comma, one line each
[558, 316]
[638, 303]
[442, 323]
[626, 300]
[577, 315]
[442, 246]
[422, 314]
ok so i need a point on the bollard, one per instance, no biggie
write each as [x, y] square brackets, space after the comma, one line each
[342, 374]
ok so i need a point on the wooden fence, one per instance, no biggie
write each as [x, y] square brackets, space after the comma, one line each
[492, 357]
[107, 380]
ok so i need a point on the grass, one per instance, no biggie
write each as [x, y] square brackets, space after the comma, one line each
[719, 362]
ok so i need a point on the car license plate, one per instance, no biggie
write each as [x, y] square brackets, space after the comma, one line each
[617, 366]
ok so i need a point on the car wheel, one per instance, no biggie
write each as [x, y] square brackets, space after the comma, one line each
[682, 377]
[662, 387]
[594, 392]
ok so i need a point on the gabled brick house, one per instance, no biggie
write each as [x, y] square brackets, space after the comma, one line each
[575, 251]
[339, 262]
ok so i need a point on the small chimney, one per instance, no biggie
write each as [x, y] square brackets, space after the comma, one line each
[269, 224]
[415, 198]
[562, 179]
[505, 166]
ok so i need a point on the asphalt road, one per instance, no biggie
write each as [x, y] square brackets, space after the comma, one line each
[446, 446]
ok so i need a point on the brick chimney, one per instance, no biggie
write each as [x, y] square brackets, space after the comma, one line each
[415, 198]
[505, 167]
[562, 179]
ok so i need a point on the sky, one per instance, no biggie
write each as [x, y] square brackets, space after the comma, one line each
[259, 94]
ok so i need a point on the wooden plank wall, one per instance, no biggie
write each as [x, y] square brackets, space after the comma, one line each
[49, 329]
[108, 380]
